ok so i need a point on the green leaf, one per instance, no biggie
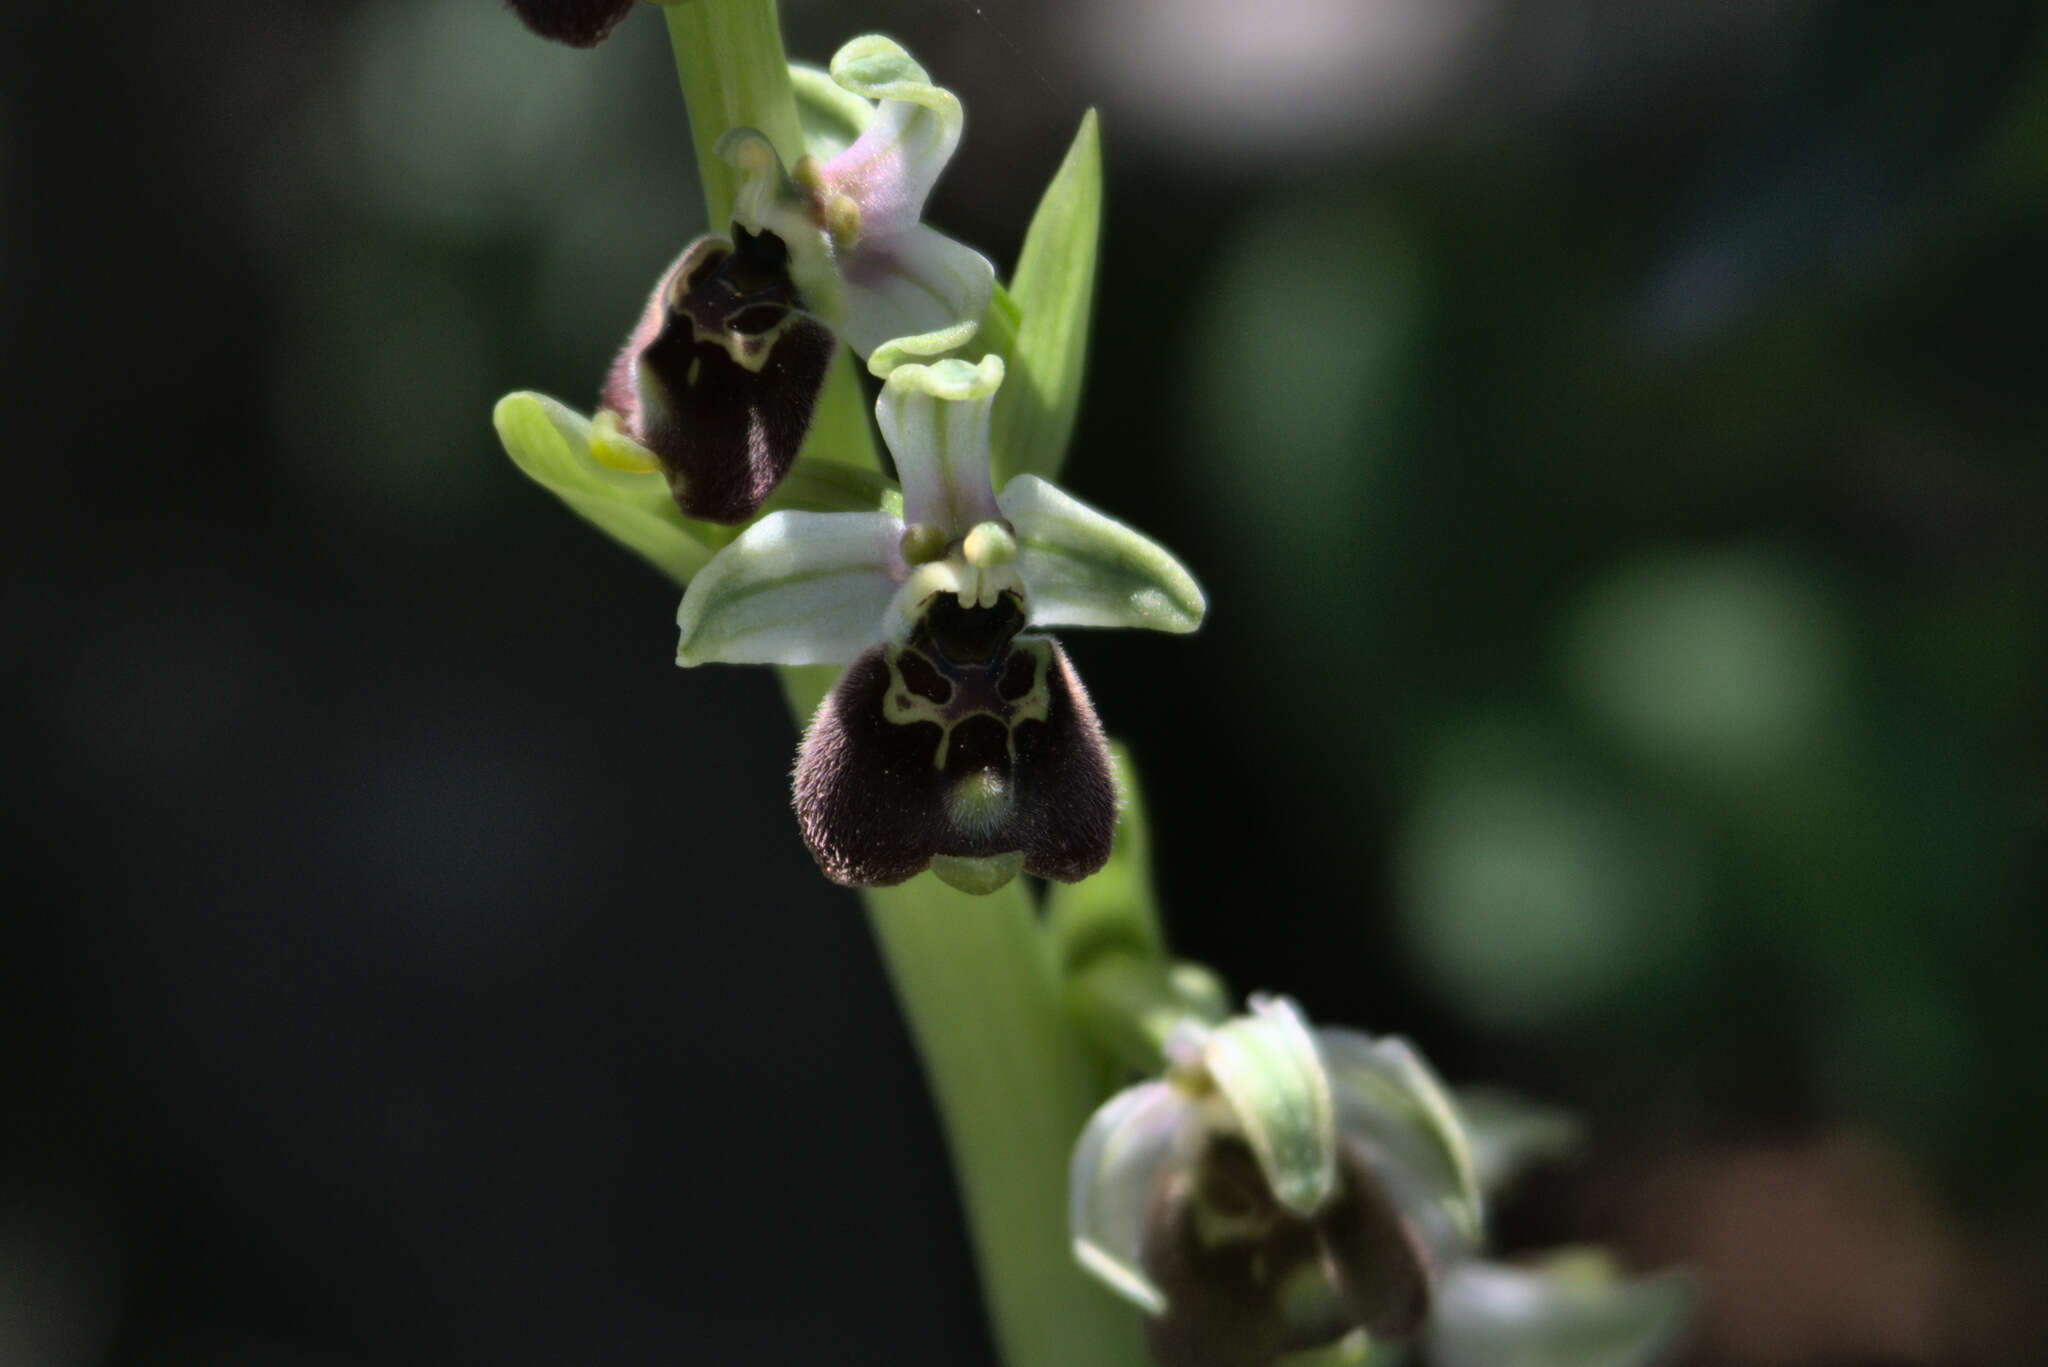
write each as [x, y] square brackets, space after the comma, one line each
[551, 443]
[1052, 293]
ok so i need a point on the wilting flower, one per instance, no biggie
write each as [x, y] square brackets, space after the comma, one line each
[579, 23]
[1275, 1191]
[960, 738]
[719, 378]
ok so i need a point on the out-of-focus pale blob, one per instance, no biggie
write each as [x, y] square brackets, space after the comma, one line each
[1727, 665]
[1281, 75]
[1532, 894]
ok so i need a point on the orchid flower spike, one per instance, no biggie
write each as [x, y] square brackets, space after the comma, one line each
[960, 738]
[1277, 1190]
[717, 382]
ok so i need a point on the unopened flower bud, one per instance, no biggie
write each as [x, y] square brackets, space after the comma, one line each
[1278, 1190]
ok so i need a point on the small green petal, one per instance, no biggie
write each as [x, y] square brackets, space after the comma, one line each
[1267, 1067]
[1491, 1315]
[1053, 291]
[552, 444]
[1387, 1095]
[832, 116]
[879, 69]
[1085, 569]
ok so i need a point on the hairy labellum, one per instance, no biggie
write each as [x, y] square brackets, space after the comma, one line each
[969, 742]
[579, 23]
[719, 379]
[1247, 1280]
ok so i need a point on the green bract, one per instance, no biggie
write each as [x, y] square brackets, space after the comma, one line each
[1046, 313]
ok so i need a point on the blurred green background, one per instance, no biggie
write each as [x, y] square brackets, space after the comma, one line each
[1611, 433]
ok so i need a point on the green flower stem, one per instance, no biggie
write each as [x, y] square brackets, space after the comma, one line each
[1013, 1080]
[1014, 1085]
[735, 74]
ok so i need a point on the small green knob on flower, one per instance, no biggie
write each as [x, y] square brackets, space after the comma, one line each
[1275, 1191]
[959, 739]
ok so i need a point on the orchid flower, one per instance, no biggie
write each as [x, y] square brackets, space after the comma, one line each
[716, 384]
[1276, 1190]
[960, 738]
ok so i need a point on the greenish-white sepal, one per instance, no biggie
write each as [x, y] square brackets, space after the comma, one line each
[1389, 1098]
[1111, 1180]
[1508, 1135]
[550, 442]
[1268, 1070]
[917, 295]
[1054, 292]
[831, 116]
[878, 68]
[935, 421]
[1085, 569]
[1491, 1315]
[795, 589]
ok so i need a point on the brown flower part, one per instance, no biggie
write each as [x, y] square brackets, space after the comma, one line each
[969, 742]
[1247, 1280]
[720, 377]
[579, 23]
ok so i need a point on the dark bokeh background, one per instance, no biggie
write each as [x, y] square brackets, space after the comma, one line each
[1610, 431]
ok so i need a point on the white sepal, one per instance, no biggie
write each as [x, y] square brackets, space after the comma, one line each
[1086, 569]
[794, 589]
[1116, 1166]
